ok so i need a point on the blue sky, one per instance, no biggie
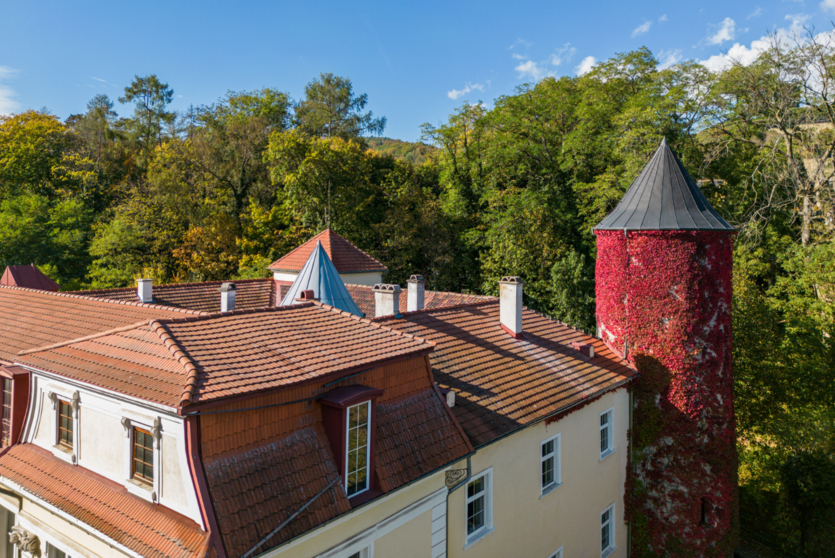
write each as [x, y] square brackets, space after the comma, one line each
[416, 60]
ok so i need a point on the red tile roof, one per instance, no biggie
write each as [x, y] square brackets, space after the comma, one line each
[29, 277]
[251, 293]
[501, 383]
[103, 505]
[199, 359]
[31, 318]
[263, 465]
[364, 297]
[346, 257]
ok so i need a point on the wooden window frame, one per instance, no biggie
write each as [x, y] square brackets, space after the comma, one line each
[59, 415]
[140, 477]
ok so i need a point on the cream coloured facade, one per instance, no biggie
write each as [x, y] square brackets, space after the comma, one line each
[367, 278]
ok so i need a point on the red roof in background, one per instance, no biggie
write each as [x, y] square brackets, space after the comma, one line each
[363, 295]
[31, 318]
[29, 277]
[181, 361]
[104, 505]
[346, 257]
[503, 384]
[251, 293]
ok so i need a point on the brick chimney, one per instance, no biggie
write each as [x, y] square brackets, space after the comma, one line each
[228, 292]
[510, 305]
[387, 300]
[415, 295]
[145, 290]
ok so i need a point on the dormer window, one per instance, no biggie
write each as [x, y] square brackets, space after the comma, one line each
[359, 448]
[348, 417]
[65, 424]
[6, 434]
[15, 383]
[143, 456]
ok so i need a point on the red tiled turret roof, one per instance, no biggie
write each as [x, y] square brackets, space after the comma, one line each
[29, 277]
[346, 257]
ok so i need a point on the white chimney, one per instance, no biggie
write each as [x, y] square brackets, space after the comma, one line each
[227, 297]
[415, 295]
[510, 305]
[387, 300]
[145, 290]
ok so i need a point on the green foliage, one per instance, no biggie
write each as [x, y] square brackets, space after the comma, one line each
[415, 153]
[809, 481]
[330, 109]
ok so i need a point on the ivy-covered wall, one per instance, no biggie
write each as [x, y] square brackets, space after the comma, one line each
[664, 302]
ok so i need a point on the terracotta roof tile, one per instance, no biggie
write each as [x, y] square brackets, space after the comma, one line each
[251, 293]
[200, 359]
[28, 277]
[502, 383]
[364, 297]
[104, 506]
[32, 318]
[346, 257]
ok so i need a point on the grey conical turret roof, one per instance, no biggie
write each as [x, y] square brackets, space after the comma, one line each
[320, 276]
[664, 197]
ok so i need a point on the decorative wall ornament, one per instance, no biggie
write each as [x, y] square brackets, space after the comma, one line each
[126, 424]
[25, 541]
[455, 476]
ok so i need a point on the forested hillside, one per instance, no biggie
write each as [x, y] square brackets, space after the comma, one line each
[216, 192]
[416, 153]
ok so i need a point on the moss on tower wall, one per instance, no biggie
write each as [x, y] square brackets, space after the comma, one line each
[664, 299]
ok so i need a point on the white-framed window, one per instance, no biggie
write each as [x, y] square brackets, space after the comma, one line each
[550, 471]
[358, 448]
[557, 554]
[143, 462]
[479, 506]
[607, 531]
[607, 431]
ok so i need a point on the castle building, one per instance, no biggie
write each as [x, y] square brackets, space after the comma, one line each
[309, 415]
[664, 286]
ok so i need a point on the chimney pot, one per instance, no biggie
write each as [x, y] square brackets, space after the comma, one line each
[307, 295]
[228, 292]
[387, 300]
[510, 305]
[145, 290]
[585, 348]
[416, 293]
[449, 395]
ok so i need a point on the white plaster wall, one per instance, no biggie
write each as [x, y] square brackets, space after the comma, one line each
[370, 278]
[285, 276]
[103, 446]
[101, 442]
[529, 524]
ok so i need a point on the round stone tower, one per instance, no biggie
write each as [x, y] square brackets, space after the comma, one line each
[664, 262]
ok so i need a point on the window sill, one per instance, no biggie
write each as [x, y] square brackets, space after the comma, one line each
[64, 453]
[606, 454]
[550, 489]
[476, 537]
[141, 489]
[608, 551]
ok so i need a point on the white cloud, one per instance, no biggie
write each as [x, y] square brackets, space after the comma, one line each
[455, 93]
[518, 56]
[641, 29]
[519, 43]
[99, 79]
[563, 54]
[759, 11]
[8, 104]
[747, 54]
[828, 5]
[585, 65]
[725, 31]
[532, 70]
[668, 58]
[662, 19]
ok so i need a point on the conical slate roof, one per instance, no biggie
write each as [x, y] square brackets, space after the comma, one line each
[664, 197]
[320, 276]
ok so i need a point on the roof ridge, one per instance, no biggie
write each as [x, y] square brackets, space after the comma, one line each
[163, 285]
[374, 323]
[439, 292]
[181, 356]
[357, 248]
[492, 300]
[106, 300]
[330, 232]
[120, 329]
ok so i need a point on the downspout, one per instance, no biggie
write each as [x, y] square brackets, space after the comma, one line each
[463, 481]
[198, 477]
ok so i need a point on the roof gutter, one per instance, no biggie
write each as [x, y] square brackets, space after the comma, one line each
[198, 477]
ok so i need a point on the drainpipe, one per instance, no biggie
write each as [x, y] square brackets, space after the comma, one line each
[464, 481]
